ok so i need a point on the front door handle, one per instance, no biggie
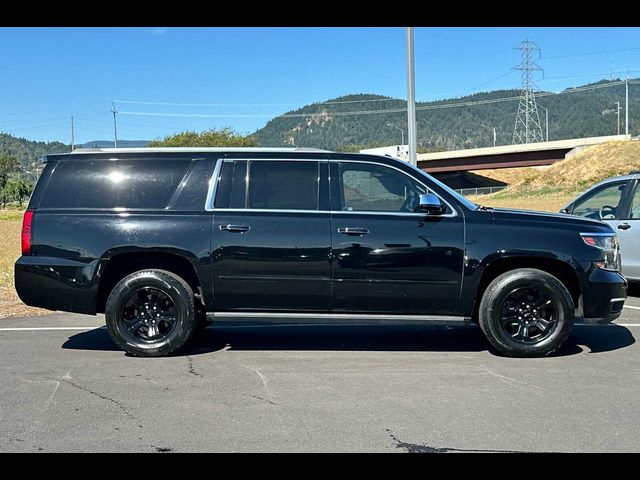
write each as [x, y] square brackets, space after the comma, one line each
[624, 226]
[235, 228]
[353, 231]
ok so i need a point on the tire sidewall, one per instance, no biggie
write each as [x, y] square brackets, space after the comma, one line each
[502, 287]
[184, 326]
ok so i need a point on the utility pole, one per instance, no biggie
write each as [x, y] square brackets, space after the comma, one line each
[115, 127]
[618, 104]
[626, 105]
[527, 128]
[73, 144]
[494, 137]
[411, 99]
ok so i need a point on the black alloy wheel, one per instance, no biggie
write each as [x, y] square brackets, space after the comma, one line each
[526, 312]
[151, 313]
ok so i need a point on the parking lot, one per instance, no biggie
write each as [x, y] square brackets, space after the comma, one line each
[64, 387]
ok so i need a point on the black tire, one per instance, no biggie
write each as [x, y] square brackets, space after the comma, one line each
[512, 319]
[134, 301]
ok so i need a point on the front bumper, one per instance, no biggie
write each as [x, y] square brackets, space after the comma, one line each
[603, 296]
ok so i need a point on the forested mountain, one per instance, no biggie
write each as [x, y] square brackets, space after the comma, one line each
[332, 125]
[29, 152]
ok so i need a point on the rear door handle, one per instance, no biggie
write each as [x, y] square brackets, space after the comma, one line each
[235, 228]
[353, 231]
[624, 226]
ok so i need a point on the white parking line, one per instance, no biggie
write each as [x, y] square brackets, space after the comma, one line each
[39, 329]
[632, 307]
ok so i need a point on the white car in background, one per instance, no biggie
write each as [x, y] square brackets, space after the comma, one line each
[616, 201]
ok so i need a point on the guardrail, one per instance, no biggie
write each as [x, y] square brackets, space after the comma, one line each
[479, 190]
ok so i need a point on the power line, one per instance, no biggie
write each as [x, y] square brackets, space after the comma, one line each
[583, 54]
[367, 112]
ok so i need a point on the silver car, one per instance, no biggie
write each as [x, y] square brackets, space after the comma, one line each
[616, 201]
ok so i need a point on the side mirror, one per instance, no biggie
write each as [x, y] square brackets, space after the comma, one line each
[431, 204]
[564, 210]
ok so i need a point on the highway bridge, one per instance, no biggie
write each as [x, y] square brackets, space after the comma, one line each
[508, 156]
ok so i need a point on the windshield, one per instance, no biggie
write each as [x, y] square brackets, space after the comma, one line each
[464, 201]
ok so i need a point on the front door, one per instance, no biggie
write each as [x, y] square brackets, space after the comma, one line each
[271, 240]
[386, 257]
[628, 230]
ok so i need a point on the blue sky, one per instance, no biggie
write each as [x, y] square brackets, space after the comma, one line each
[252, 74]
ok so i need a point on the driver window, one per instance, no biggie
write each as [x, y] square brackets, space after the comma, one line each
[602, 204]
[368, 187]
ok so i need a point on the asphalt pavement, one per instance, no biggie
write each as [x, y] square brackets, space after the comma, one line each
[64, 387]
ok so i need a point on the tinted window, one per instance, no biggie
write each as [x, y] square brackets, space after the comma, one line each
[603, 203]
[634, 213]
[367, 187]
[111, 184]
[230, 192]
[283, 185]
[192, 192]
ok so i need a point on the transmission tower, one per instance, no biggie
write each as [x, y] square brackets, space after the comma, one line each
[527, 128]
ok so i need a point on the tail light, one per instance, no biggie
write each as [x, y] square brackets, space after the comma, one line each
[26, 232]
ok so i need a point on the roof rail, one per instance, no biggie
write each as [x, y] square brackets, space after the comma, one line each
[195, 149]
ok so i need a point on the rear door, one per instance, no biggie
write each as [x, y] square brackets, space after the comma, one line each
[271, 240]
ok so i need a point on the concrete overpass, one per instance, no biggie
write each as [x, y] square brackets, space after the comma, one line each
[509, 156]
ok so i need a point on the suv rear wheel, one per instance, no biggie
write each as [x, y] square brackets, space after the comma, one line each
[151, 313]
[526, 312]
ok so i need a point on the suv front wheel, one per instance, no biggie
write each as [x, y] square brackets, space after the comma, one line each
[526, 312]
[151, 313]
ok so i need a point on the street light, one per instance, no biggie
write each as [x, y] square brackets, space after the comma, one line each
[546, 120]
[401, 130]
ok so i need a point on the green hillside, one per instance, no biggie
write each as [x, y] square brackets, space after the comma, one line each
[332, 125]
[29, 152]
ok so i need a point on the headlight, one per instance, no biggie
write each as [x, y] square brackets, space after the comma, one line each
[608, 244]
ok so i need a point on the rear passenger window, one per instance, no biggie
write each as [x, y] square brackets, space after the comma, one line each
[114, 184]
[231, 189]
[286, 185]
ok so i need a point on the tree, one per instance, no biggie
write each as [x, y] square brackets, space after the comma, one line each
[16, 190]
[9, 164]
[224, 137]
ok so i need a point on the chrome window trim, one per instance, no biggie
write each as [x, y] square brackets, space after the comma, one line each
[213, 185]
[381, 212]
[598, 234]
[215, 178]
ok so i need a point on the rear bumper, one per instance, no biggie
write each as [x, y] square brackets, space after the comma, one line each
[56, 284]
[603, 296]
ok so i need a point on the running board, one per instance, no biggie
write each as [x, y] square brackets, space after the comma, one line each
[334, 318]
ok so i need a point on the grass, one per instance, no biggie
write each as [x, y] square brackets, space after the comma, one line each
[10, 228]
[550, 188]
[547, 203]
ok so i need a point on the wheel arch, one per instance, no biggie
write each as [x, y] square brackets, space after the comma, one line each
[556, 267]
[117, 266]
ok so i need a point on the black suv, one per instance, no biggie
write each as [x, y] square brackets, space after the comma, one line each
[159, 238]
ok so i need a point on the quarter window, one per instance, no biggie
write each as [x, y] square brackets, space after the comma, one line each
[140, 183]
[375, 188]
